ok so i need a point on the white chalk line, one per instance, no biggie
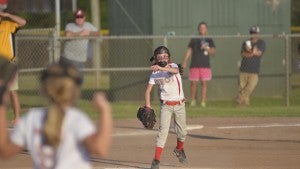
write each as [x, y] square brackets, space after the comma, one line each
[149, 132]
[260, 126]
[133, 132]
[195, 127]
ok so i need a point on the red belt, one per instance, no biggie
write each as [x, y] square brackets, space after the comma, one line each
[172, 103]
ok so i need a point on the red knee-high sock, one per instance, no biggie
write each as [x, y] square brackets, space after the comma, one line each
[158, 151]
[180, 145]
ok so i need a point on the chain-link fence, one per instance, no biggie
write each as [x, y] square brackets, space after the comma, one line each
[120, 65]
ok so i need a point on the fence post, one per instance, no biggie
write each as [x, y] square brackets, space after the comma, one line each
[97, 59]
[51, 46]
[56, 34]
[287, 71]
[95, 7]
[165, 41]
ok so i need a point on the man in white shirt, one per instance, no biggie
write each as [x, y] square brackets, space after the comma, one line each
[76, 50]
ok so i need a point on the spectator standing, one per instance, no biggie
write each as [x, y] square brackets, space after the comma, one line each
[251, 52]
[52, 134]
[200, 49]
[76, 50]
[9, 24]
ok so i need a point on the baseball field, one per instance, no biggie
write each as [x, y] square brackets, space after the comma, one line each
[218, 138]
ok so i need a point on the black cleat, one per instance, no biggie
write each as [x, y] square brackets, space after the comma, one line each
[155, 164]
[180, 155]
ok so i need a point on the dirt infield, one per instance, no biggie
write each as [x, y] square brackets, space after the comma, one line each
[212, 143]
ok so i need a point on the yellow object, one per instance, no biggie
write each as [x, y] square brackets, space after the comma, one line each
[104, 32]
[7, 28]
[295, 29]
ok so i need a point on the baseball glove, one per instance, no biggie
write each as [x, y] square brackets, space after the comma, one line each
[180, 68]
[147, 116]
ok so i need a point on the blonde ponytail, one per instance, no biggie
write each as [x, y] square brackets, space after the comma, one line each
[62, 89]
[53, 124]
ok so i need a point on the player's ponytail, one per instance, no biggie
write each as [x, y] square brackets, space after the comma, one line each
[52, 125]
[59, 84]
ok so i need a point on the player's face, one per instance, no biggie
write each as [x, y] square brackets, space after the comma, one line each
[254, 36]
[202, 29]
[79, 20]
[162, 57]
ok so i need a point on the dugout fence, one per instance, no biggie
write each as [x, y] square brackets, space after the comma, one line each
[119, 65]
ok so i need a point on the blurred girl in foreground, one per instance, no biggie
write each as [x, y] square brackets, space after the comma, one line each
[60, 135]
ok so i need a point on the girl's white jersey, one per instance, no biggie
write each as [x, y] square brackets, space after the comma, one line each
[170, 85]
[70, 153]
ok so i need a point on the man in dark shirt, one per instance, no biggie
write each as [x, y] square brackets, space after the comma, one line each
[200, 49]
[251, 52]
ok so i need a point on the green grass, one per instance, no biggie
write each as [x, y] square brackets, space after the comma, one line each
[244, 112]
[127, 110]
[91, 81]
[260, 107]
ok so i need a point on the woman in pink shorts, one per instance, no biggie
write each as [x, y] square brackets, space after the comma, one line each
[200, 49]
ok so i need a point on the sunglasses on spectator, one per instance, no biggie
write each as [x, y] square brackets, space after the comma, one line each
[79, 17]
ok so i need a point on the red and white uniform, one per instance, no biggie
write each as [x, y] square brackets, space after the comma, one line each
[70, 153]
[170, 89]
[170, 85]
